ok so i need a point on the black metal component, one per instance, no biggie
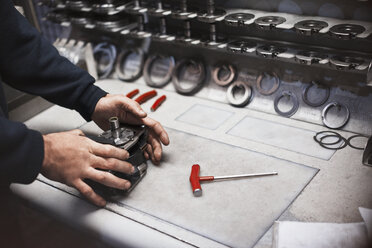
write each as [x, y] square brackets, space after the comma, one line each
[269, 22]
[310, 27]
[305, 96]
[269, 51]
[238, 19]
[294, 100]
[345, 62]
[346, 31]
[162, 80]
[196, 75]
[353, 137]
[128, 68]
[310, 57]
[241, 46]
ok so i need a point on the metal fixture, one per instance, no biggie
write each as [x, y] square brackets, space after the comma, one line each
[239, 101]
[195, 179]
[310, 27]
[157, 60]
[239, 19]
[270, 51]
[136, 9]
[346, 62]
[311, 57]
[320, 102]
[196, 76]
[274, 87]
[241, 46]
[294, 100]
[367, 154]
[186, 16]
[161, 13]
[227, 78]
[339, 106]
[269, 22]
[105, 56]
[346, 31]
[129, 64]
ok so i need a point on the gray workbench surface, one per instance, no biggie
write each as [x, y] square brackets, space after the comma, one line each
[314, 184]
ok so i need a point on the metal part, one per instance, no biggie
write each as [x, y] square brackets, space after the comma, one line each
[332, 134]
[195, 70]
[245, 176]
[164, 79]
[110, 7]
[311, 57]
[109, 22]
[135, 8]
[327, 108]
[305, 93]
[367, 154]
[242, 101]
[346, 31]
[294, 100]
[269, 22]
[310, 27]
[105, 56]
[214, 16]
[353, 137]
[345, 62]
[269, 51]
[161, 14]
[324, 145]
[241, 46]
[273, 89]
[159, 11]
[238, 19]
[226, 79]
[182, 13]
[127, 68]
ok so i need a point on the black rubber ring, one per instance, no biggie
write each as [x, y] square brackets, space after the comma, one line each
[330, 143]
[332, 132]
[335, 148]
[354, 136]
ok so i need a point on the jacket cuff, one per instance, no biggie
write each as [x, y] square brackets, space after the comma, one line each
[88, 100]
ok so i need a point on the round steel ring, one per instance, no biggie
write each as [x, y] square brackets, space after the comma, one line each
[201, 79]
[121, 60]
[238, 19]
[320, 102]
[333, 148]
[355, 136]
[273, 89]
[223, 81]
[309, 27]
[325, 111]
[147, 71]
[110, 51]
[294, 108]
[334, 134]
[240, 102]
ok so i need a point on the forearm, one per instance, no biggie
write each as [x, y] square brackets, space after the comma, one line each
[21, 152]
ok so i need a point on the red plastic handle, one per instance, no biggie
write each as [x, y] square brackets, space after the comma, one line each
[146, 96]
[133, 93]
[158, 102]
[194, 178]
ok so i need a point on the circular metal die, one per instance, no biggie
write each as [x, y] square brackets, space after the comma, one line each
[239, 101]
[105, 56]
[327, 108]
[152, 66]
[293, 99]
[274, 87]
[345, 62]
[269, 51]
[129, 64]
[355, 136]
[310, 27]
[241, 46]
[346, 31]
[223, 79]
[238, 19]
[269, 22]
[217, 16]
[310, 57]
[193, 69]
[328, 134]
[305, 95]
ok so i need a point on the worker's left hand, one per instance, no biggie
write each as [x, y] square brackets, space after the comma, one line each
[130, 112]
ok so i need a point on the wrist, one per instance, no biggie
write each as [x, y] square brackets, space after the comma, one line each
[47, 153]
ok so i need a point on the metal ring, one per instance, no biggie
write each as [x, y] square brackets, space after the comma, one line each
[270, 51]
[240, 102]
[238, 19]
[121, 61]
[223, 81]
[273, 89]
[327, 108]
[110, 51]
[309, 27]
[269, 22]
[355, 136]
[201, 79]
[334, 134]
[334, 148]
[147, 71]
[294, 108]
[330, 143]
[305, 97]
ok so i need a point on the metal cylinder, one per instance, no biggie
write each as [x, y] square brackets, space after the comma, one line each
[136, 3]
[159, 4]
[184, 5]
[163, 26]
[187, 29]
[114, 123]
[140, 23]
[212, 32]
[210, 7]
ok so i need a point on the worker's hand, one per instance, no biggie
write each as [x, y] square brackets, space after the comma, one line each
[69, 158]
[130, 112]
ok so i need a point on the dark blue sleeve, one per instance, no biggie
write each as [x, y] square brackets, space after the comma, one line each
[29, 63]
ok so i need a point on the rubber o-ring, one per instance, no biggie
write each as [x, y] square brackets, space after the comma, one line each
[223, 82]
[147, 71]
[314, 104]
[355, 136]
[335, 148]
[198, 85]
[332, 132]
[123, 56]
[240, 102]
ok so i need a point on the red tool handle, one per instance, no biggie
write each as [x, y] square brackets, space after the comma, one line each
[146, 96]
[195, 179]
[133, 93]
[158, 102]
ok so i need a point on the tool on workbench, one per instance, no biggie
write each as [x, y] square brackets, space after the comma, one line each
[133, 93]
[146, 96]
[158, 102]
[195, 179]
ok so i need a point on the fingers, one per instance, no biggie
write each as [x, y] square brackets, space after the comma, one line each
[113, 164]
[88, 192]
[108, 151]
[156, 148]
[108, 179]
[131, 106]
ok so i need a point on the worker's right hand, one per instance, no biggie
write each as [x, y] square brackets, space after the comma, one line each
[69, 158]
